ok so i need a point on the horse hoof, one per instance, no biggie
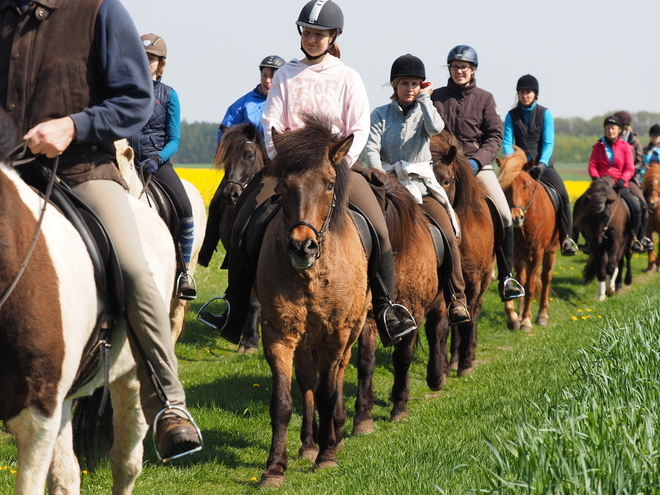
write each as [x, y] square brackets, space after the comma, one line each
[542, 321]
[513, 325]
[271, 481]
[398, 416]
[453, 365]
[309, 453]
[436, 385]
[327, 463]
[245, 349]
[363, 427]
[527, 328]
[464, 371]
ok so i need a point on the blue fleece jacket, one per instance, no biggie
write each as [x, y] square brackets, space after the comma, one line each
[548, 135]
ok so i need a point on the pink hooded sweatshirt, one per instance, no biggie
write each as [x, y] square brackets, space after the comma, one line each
[331, 89]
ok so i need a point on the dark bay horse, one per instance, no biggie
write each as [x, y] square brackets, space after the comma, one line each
[418, 288]
[602, 220]
[311, 282]
[651, 189]
[47, 313]
[536, 237]
[241, 154]
[477, 245]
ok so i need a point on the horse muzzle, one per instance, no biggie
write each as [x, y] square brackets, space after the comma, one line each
[517, 217]
[304, 253]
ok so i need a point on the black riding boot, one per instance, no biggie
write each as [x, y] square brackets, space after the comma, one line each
[568, 246]
[646, 242]
[393, 321]
[509, 287]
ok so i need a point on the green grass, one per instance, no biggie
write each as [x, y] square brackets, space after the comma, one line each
[442, 444]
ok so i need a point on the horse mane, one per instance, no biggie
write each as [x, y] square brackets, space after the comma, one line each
[306, 148]
[598, 194]
[510, 167]
[651, 175]
[233, 139]
[402, 214]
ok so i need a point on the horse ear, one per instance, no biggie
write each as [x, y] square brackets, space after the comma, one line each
[223, 128]
[338, 151]
[529, 165]
[251, 131]
[276, 135]
[498, 160]
[451, 154]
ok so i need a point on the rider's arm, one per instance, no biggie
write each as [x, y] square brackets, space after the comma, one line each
[507, 140]
[172, 127]
[548, 137]
[373, 149]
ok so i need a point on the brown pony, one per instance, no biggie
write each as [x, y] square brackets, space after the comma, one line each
[241, 154]
[602, 220]
[311, 282]
[477, 245]
[418, 288]
[536, 237]
[651, 188]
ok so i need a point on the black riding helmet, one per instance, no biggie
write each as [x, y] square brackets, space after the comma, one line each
[613, 119]
[464, 53]
[272, 61]
[528, 81]
[321, 14]
[408, 66]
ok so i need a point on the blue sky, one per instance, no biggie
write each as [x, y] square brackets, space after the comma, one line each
[590, 56]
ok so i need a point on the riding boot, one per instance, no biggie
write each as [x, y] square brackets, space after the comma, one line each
[454, 284]
[509, 287]
[391, 326]
[646, 242]
[185, 289]
[568, 246]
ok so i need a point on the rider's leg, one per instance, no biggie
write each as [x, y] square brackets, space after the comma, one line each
[390, 326]
[212, 233]
[230, 323]
[148, 316]
[509, 287]
[167, 174]
[635, 218]
[451, 270]
[564, 215]
[641, 233]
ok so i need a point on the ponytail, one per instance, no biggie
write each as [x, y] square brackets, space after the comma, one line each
[334, 50]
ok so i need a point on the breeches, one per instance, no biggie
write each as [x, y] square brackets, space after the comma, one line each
[168, 175]
[494, 191]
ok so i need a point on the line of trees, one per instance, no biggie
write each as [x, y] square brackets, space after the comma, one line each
[573, 141]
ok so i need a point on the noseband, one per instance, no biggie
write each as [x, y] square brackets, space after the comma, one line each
[318, 233]
[240, 184]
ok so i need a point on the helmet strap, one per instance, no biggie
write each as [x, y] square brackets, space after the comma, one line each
[309, 57]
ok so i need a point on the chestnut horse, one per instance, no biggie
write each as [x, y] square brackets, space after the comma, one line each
[651, 189]
[477, 245]
[241, 154]
[602, 220]
[418, 288]
[49, 306]
[536, 237]
[311, 282]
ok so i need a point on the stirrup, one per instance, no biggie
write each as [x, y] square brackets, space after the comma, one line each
[637, 246]
[186, 295]
[570, 243]
[393, 311]
[200, 316]
[187, 415]
[456, 302]
[510, 280]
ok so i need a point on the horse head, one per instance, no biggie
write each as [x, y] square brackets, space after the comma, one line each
[595, 218]
[241, 153]
[313, 182]
[519, 187]
[651, 185]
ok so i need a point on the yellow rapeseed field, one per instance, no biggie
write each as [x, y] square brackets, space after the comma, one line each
[207, 180]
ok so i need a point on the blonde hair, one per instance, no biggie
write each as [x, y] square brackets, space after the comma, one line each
[395, 83]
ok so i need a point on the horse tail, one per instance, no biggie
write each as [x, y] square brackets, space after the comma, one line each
[92, 433]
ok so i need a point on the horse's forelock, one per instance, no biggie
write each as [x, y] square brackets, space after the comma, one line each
[510, 167]
[232, 142]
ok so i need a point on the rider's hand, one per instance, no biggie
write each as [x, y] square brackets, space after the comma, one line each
[475, 165]
[537, 170]
[151, 164]
[620, 183]
[52, 137]
[426, 89]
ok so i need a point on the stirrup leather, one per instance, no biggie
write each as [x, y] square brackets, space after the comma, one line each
[201, 318]
[398, 310]
[166, 409]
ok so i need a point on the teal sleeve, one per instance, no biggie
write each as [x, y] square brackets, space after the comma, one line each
[172, 127]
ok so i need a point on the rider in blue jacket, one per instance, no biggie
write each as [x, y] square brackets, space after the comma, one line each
[249, 107]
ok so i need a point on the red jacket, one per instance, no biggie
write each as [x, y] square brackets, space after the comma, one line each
[622, 167]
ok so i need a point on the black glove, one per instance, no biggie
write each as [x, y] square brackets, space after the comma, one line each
[150, 165]
[537, 170]
[620, 184]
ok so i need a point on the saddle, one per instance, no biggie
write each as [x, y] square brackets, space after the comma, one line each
[553, 194]
[107, 271]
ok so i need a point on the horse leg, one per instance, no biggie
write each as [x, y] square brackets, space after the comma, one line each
[339, 418]
[546, 278]
[250, 341]
[129, 429]
[363, 423]
[35, 436]
[64, 472]
[612, 286]
[436, 335]
[306, 378]
[401, 359]
[530, 274]
[454, 346]
[468, 345]
[280, 360]
[326, 403]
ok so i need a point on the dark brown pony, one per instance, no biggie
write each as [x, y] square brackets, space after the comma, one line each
[536, 237]
[651, 188]
[477, 245]
[311, 282]
[602, 220]
[418, 288]
[241, 154]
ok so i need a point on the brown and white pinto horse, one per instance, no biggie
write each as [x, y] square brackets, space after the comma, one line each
[241, 154]
[311, 282]
[536, 237]
[651, 189]
[44, 325]
[477, 245]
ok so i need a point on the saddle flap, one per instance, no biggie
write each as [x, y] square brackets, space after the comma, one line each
[553, 194]
[498, 223]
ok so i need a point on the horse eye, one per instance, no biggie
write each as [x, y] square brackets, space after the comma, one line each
[446, 182]
[331, 186]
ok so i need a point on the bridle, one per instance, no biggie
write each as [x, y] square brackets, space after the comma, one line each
[530, 200]
[318, 233]
[240, 184]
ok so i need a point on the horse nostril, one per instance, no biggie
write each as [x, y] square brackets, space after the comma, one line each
[310, 247]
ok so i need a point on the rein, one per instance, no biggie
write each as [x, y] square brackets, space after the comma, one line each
[18, 155]
[318, 233]
[530, 201]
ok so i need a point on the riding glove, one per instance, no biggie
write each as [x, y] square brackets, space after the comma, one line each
[537, 170]
[151, 164]
[475, 165]
[620, 184]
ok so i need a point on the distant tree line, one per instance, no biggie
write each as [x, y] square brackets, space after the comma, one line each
[574, 138]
